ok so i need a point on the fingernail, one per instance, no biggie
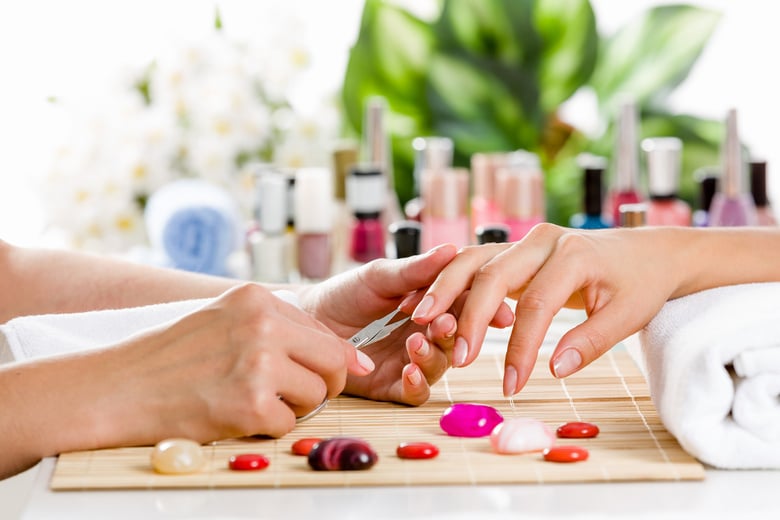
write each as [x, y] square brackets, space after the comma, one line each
[364, 361]
[406, 301]
[414, 377]
[423, 349]
[510, 381]
[452, 331]
[423, 307]
[567, 363]
[459, 352]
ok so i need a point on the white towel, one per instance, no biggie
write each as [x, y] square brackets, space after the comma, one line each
[713, 365]
[46, 335]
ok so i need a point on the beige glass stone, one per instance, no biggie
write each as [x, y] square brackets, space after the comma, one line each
[177, 456]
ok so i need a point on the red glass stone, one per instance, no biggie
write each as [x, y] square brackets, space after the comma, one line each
[305, 445]
[416, 450]
[565, 454]
[248, 462]
[577, 430]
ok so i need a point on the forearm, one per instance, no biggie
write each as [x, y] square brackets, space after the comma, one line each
[39, 281]
[708, 258]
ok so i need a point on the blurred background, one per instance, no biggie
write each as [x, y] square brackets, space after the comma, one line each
[91, 87]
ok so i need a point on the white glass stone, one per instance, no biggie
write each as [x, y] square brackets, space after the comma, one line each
[177, 456]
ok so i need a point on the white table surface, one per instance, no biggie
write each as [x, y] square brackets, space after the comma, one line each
[735, 494]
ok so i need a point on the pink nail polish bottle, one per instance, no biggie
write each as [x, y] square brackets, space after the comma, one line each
[732, 205]
[445, 200]
[520, 188]
[314, 222]
[625, 183]
[366, 197]
[663, 156]
[485, 209]
[377, 151]
[764, 212]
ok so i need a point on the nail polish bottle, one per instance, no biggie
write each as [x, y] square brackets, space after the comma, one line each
[290, 234]
[406, 237]
[520, 189]
[625, 184]
[732, 205]
[445, 201]
[663, 156]
[492, 233]
[764, 212]
[345, 157]
[268, 243]
[377, 152]
[366, 198]
[707, 179]
[484, 203]
[430, 153]
[593, 168]
[633, 215]
[314, 222]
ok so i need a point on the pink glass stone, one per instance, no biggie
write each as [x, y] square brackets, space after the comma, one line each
[342, 454]
[577, 430]
[566, 454]
[521, 435]
[469, 420]
[416, 450]
[248, 462]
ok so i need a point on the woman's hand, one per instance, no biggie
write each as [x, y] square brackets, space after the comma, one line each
[621, 277]
[404, 371]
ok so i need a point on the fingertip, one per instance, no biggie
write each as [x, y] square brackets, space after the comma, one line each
[365, 365]
[415, 387]
[566, 362]
[504, 317]
[417, 346]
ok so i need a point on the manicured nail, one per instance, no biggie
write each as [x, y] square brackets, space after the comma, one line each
[452, 331]
[423, 307]
[567, 363]
[414, 377]
[364, 361]
[423, 349]
[459, 352]
[510, 381]
[406, 301]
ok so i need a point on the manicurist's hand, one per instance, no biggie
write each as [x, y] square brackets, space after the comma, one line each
[621, 277]
[414, 356]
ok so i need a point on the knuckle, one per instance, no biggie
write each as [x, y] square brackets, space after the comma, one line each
[595, 343]
[532, 300]
[544, 230]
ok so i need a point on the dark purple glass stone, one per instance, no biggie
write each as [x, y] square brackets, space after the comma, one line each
[470, 420]
[342, 454]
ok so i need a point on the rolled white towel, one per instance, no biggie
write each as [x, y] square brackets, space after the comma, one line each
[712, 360]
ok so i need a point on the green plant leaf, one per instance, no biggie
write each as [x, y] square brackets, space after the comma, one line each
[569, 47]
[652, 54]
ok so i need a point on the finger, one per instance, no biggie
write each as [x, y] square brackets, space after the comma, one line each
[301, 389]
[394, 278]
[504, 317]
[453, 280]
[414, 387]
[275, 420]
[432, 359]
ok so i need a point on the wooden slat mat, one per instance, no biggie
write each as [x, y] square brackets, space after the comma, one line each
[612, 393]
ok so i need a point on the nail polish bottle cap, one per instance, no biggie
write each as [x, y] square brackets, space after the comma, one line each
[707, 177]
[626, 154]
[633, 215]
[366, 191]
[431, 153]
[491, 233]
[758, 183]
[593, 178]
[445, 193]
[290, 198]
[520, 187]
[406, 235]
[663, 165]
[732, 182]
[483, 171]
[345, 156]
[313, 200]
[272, 188]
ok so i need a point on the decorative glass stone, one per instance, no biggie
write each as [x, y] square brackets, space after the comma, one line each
[469, 420]
[416, 450]
[248, 462]
[305, 445]
[177, 456]
[342, 454]
[577, 430]
[565, 454]
[521, 435]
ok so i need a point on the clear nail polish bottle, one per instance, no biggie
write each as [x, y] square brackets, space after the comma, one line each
[365, 198]
[268, 243]
[732, 204]
[520, 188]
[314, 222]
[593, 168]
[764, 211]
[445, 206]
[663, 156]
[485, 209]
[625, 184]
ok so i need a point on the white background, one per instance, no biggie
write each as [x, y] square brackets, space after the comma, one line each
[75, 47]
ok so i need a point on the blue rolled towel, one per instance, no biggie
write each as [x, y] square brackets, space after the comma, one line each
[196, 224]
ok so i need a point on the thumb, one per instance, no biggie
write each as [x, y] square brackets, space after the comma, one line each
[358, 362]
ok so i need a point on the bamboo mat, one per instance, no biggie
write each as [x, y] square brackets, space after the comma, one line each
[632, 446]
